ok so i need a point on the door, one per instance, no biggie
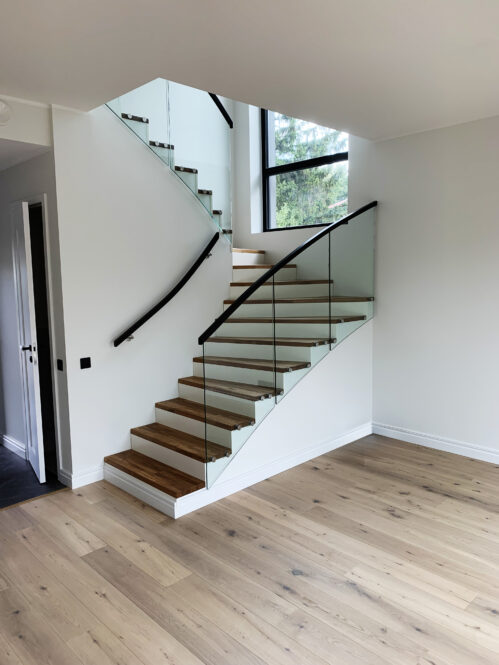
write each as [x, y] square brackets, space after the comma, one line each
[28, 345]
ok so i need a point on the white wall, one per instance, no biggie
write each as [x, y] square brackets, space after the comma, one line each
[128, 230]
[23, 182]
[436, 365]
[29, 122]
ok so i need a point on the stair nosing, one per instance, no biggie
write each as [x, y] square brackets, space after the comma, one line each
[268, 341]
[153, 437]
[266, 392]
[245, 363]
[246, 421]
[116, 462]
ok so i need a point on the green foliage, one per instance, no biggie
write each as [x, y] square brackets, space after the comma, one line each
[305, 197]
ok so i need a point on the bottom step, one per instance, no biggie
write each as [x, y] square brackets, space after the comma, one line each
[154, 473]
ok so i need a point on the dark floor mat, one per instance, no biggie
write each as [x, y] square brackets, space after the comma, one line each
[18, 481]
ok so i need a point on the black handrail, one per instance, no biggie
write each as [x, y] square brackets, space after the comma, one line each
[280, 264]
[173, 292]
[222, 109]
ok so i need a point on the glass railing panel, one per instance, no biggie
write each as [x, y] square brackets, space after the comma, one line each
[302, 314]
[352, 271]
[239, 374]
[202, 140]
[148, 102]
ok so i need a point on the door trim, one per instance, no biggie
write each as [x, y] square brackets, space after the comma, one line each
[42, 200]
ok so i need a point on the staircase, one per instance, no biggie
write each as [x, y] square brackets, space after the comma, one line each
[255, 358]
[166, 152]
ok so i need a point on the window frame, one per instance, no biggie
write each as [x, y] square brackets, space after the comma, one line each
[268, 171]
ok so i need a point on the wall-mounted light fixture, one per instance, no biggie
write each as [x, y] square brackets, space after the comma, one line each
[4, 112]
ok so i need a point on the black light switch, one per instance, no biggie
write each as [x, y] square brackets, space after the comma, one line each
[60, 365]
[85, 363]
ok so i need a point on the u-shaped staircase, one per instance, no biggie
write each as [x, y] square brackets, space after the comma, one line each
[243, 372]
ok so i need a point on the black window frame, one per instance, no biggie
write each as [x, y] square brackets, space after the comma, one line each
[268, 171]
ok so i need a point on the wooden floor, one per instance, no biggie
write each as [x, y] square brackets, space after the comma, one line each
[379, 553]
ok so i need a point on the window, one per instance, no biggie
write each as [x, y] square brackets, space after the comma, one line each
[305, 172]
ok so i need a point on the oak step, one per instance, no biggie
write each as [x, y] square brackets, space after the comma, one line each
[216, 212]
[281, 366]
[196, 411]
[234, 388]
[207, 192]
[270, 341]
[181, 442]
[261, 266]
[318, 299]
[137, 118]
[160, 144]
[185, 169]
[238, 250]
[161, 476]
[279, 283]
[297, 319]
[229, 231]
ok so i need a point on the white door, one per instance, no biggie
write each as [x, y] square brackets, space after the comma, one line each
[28, 346]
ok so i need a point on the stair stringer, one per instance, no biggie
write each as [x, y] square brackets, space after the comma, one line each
[330, 407]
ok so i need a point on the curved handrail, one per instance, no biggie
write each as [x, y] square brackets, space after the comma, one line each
[275, 268]
[173, 292]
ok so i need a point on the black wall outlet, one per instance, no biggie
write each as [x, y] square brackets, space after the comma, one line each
[85, 363]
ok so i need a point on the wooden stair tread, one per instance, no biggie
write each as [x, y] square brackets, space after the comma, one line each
[208, 192]
[216, 212]
[297, 319]
[312, 299]
[136, 118]
[240, 250]
[160, 144]
[181, 442]
[278, 341]
[234, 388]
[288, 283]
[185, 169]
[281, 366]
[161, 476]
[213, 416]
[260, 266]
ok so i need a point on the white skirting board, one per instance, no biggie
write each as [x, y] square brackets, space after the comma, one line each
[14, 445]
[196, 500]
[85, 477]
[438, 442]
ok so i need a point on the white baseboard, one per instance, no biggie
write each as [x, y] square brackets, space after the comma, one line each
[221, 489]
[438, 442]
[150, 495]
[85, 477]
[14, 445]
[186, 504]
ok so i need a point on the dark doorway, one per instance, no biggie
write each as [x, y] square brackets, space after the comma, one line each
[43, 336]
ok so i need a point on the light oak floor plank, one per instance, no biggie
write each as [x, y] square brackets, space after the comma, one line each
[379, 553]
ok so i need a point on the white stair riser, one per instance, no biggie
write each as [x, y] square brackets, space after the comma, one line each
[303, 309]
[247, 259]
[141, 129]
[224, 437]
[166, 456]
[345, 329]
[284, 291]
[227, 350]
[251, 274]
[165, 154]
[190, 179]
[256, 410]
[245, 329]
[258, 377]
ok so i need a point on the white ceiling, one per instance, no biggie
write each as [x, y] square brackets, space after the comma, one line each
[15, 152]
[377, 68]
